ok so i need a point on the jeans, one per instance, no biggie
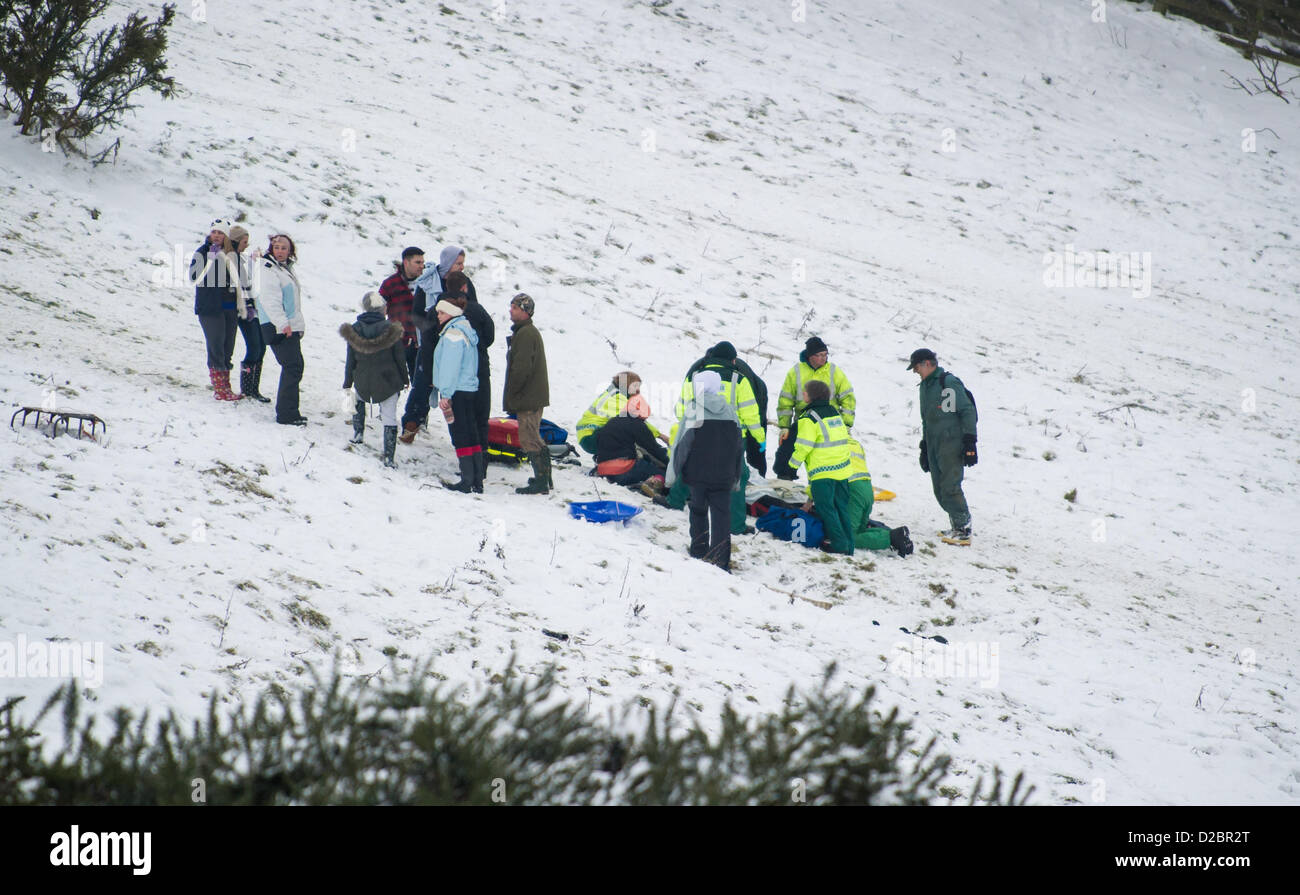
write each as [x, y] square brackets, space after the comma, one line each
[417, 400]
[254, 344]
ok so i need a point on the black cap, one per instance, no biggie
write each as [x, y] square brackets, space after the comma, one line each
[814, 346]
[722, 350]
[919, 355]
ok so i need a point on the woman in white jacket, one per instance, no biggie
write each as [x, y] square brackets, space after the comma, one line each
[279, 307]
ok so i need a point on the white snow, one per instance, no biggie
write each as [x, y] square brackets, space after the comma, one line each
[652, 177]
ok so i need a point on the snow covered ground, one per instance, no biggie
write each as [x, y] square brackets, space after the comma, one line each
[888, 176]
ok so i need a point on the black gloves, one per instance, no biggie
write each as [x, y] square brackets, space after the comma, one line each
[969, 457]
[925, 461]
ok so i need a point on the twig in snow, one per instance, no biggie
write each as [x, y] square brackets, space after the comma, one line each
[225, 622]
[652, 303]
[555, 540]
[807, 316]
[1126, 406]
[627, 568]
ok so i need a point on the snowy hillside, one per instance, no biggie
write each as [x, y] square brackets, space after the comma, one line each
[659, 179]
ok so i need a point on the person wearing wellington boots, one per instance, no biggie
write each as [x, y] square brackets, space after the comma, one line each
[376, 369]
[455, 376]
[250, 327]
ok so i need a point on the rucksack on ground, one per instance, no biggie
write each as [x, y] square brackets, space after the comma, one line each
[792, 525]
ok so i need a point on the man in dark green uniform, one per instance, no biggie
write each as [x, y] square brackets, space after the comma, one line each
[948, 421]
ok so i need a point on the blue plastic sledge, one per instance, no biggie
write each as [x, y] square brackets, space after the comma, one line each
[603, 511]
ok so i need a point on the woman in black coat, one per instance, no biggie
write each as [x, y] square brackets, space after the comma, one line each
[215, 274]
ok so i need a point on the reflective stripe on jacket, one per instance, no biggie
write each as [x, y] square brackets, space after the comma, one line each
[790, 404]
[608, 404]
[858, 462]
[822, 444]
[739, 394]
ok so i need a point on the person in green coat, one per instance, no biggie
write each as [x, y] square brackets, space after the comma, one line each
[528, 390]
[948, 439]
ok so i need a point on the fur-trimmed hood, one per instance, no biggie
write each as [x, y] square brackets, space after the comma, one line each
[388, 337]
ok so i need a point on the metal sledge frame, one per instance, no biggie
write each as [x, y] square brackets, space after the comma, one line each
[55, 417]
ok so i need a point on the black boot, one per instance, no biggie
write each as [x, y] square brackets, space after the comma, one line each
[480, 471]
[390, 446]
[359, 423]
[900, 540]
[467, 474]
[250, 381]
[540, 483]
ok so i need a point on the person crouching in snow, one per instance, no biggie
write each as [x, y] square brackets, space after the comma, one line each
[822, 443]
[455, 376]
[868, 535]
[709, 456]
[627, 452]
[376, 369]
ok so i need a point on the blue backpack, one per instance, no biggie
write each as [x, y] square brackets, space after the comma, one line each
[792, 525]
[553, 434]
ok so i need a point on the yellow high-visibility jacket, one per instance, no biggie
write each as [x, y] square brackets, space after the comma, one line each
[822, 443]
[858, 462]
[608, 404]
[790, 404]
[737, 390]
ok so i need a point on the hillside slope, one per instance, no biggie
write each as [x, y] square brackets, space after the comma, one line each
[656, 178]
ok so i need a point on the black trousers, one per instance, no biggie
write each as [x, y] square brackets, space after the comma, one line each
[412, 355]
[288, 353]
[710, 516]
[219, 333]
[483, 403]
[464, 424]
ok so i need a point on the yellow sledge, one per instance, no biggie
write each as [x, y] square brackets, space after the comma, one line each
[882, 494]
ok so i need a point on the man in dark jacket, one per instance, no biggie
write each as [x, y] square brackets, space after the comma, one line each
[709, 456]
[722, 357]
[400, 296]
[748, 397]
[948, 436]
[527, 390]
